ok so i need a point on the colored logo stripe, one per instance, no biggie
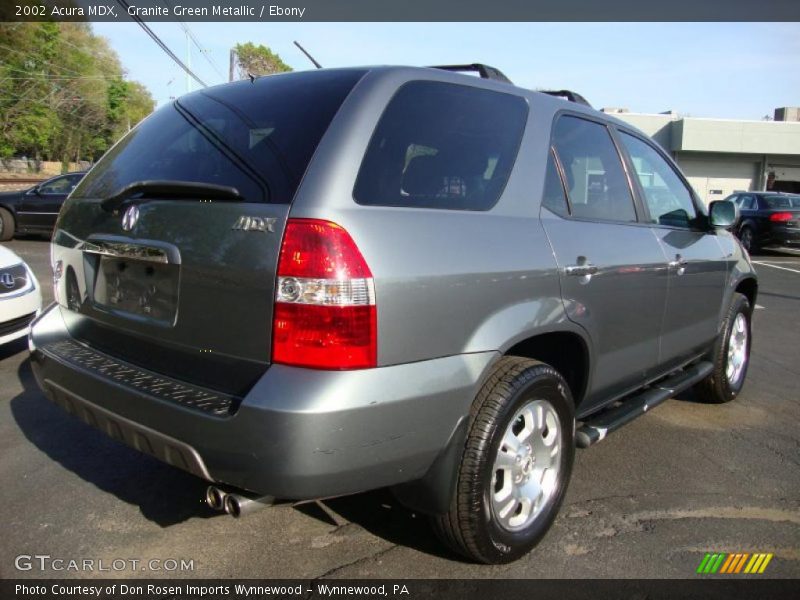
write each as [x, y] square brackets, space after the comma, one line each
[758, 563]
[740, 562]
[711, 562]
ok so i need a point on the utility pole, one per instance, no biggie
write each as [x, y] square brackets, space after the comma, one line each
[232, 64]
[188, 62]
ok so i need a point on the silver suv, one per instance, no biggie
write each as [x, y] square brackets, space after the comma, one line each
[320, 283]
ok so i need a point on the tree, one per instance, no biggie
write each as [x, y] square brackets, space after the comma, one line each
[258, 60]
[63, 92]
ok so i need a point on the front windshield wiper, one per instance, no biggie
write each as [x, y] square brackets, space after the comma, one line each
[190, 190]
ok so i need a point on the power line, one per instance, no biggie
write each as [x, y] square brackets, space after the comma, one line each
[161, 44]
[36, 57]
[203, 52]
[190, 34]
[83, 50]
[55, 77]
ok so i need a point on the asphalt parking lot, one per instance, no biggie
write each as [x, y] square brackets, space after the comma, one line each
[647, 502]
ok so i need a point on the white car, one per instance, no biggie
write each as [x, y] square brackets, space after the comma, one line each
[20, 297]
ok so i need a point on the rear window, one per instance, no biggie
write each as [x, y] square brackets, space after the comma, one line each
[782, 201]
[441, 145]
[257, 137]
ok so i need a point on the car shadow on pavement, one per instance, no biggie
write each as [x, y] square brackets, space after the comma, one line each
[771, 295]
[379, 513]
[11, 348]
[687, 396]
[164, 494]
[168, 496]
[773, 251]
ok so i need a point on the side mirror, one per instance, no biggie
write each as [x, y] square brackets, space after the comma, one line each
[722, 214]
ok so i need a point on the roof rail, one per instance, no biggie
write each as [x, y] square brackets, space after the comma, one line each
[485, 71]
[567, 95]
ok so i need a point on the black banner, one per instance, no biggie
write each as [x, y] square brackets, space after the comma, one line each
[482, 589]
[399, 10]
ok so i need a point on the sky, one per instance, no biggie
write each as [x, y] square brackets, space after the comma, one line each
[720, 70]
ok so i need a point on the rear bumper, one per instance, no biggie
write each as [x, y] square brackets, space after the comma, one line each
[298, 433]
[782, 236]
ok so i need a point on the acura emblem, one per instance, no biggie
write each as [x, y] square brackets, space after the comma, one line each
[130, 218]
[7, 280]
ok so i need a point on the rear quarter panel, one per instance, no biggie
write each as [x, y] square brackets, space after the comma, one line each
[447, 282]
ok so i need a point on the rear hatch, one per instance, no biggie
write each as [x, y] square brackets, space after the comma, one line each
[783, 214]
[165, 254]
[787, 219]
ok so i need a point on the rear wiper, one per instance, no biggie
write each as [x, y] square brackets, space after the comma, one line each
[170, 189]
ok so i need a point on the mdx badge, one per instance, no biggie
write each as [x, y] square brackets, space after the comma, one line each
[265, 224]
[130, 218]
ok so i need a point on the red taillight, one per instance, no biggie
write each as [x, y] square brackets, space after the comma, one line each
[781, 217]
[325, 315]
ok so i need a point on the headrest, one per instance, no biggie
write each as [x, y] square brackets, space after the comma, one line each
[423, 176]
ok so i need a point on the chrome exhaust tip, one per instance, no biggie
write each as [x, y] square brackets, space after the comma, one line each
[215, 497]
[237, 505]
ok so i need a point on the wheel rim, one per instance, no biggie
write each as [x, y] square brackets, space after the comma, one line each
[526, 468]
[737, 350]
[747, 238]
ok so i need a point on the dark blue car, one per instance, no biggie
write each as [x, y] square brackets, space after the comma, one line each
[35, 210]
[767, 219]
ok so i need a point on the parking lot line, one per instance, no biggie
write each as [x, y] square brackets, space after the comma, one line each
[765, 264]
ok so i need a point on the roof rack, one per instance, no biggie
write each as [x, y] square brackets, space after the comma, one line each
[485, 71]
[567, 95]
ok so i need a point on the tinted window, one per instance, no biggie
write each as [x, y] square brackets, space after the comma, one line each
[554, 197]
[596, 182]
[257, 137]
[440, 145]
[668, 200]
[61, 185]
[782, 201]
[747, 202]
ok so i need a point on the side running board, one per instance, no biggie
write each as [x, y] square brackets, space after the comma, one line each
[598, 427]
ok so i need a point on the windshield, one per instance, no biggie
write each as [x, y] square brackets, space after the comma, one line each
[256, 137]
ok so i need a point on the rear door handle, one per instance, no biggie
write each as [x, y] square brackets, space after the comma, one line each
[679, 264]
[580, 270]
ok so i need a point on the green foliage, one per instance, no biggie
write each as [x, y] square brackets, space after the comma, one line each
[259, 60]
[63, 92]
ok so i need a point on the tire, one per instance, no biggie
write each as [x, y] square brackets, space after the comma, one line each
[727, 379]
[476, 525]
[6, 225]
[748, 238]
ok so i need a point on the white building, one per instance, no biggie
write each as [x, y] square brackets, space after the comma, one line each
[722, 156]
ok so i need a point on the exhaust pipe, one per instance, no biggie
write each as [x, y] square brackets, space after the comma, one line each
[215, 497]
[237, 505]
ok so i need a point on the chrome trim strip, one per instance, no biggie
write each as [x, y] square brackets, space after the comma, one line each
[131, 251]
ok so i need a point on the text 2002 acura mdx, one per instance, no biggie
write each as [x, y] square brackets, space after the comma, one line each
[319, 283]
